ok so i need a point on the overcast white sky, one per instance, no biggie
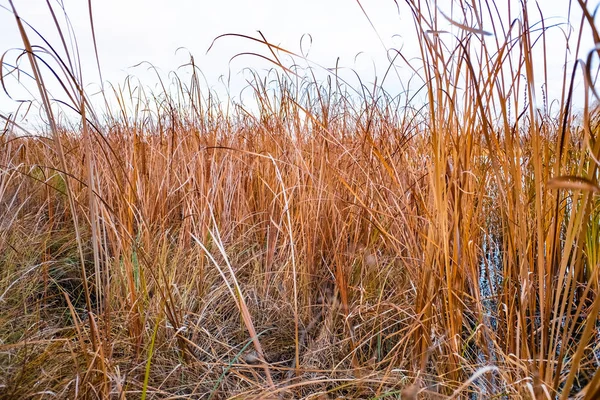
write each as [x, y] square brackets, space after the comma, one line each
[132, 31]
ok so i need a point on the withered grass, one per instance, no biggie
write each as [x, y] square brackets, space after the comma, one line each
[331, 244]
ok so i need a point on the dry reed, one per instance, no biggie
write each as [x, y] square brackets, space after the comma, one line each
[329, 245]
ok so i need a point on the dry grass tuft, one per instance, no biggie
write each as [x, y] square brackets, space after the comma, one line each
[328, 246]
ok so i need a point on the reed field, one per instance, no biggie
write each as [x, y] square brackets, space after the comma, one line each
[333, 243]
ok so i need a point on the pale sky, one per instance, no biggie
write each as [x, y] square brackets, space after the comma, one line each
[131, 31]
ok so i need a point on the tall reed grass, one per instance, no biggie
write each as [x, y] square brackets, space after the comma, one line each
[331, 244]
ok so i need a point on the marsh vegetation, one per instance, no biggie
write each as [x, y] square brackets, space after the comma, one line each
[332, 243]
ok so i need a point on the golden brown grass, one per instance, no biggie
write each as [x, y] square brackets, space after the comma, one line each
[328, 246]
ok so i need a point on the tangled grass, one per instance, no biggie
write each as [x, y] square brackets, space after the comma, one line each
[329, 245]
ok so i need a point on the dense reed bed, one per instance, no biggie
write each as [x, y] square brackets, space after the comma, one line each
[331, 244]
